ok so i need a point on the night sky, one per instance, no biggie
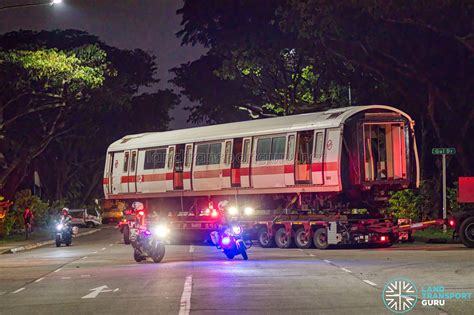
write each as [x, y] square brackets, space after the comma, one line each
[147, 24]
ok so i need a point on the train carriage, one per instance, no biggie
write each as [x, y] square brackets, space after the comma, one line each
[353, 154]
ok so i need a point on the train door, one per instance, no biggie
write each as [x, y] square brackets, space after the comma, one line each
[109, 176]
[226, 164]
[245, 162]
[318, 157]
[178, 167]
[169, 175]
[304, 149]
[132, 172]
[125, 167]
[236, 163]
[331, 156]
[290, 159]
[187, 169]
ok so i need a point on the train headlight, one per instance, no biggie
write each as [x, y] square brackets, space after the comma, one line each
[233, 211]
[249, 210]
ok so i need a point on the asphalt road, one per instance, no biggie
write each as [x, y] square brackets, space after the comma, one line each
[199, 279]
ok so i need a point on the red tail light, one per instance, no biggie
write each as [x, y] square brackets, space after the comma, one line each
[383, 238]
[141, 212]
[452, 222]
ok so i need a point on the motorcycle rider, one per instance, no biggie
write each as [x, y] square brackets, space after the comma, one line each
[66, 218]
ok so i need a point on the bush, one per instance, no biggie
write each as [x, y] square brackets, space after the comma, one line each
[405, 204]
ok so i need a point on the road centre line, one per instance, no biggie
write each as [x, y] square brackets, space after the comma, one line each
[103, 248]
[58, 269]
[191, 248]
[346, 270]
[370, 282]
[40, 279]
[328, 261]
[19, 290]
[94, 253]
[185, 304]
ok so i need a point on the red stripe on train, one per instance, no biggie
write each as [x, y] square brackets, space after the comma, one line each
[328, 166]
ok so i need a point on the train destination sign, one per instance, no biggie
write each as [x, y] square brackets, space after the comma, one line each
[440, 151]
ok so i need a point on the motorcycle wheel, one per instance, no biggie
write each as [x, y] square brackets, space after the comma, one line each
[126, 235]
[68, 243]
[58, 240]
[158, 253]
[137, 256]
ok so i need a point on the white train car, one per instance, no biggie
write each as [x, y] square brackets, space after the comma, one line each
[353, 154]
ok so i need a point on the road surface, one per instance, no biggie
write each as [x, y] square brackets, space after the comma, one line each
[97, 275]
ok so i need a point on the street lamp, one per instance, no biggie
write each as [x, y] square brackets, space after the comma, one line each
[17, 6]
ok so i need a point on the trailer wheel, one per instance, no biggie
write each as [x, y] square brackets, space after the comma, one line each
[264, 239]
[282, 239]
[301, 240]
[466, 232]
[320, 238]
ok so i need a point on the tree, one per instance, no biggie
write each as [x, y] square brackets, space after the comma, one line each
[106, 114]
[269, 71]
[42, 88]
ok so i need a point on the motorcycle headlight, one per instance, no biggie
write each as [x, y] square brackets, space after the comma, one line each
[236, 230]
[59, 227]
[161, 231]
[248, 211]
[233, 211]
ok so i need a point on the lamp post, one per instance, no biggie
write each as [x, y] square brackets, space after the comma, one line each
[17, 6]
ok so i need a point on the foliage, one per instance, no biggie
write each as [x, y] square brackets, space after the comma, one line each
[41, 209]
[405, 204]
[103, 101]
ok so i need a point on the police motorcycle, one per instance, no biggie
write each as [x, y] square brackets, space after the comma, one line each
[149, 242]
[64, 230]
[230, 238]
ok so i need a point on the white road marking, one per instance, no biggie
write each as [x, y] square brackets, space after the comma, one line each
[115, 290]
[85, 276]
[346, 270]
[40, 279]
[19, 290]
[96, 291]
[111, 244]
[85, 257]
[58, 270]
[185, 304]
[328, 261]
[191, 248]
[65, 278]
[370, 282]
[311, 255]
[94, 253]
[103, 248]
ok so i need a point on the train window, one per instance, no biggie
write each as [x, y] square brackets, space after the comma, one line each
[214, 153]
[318, 149]
[246, 153]
[201, 154]
[290, 151]
[155, 159]
[264, 147]
[228, 146]
[125, 162]
[278, 148]
[170, 157]
[133, 162]
[189, 156]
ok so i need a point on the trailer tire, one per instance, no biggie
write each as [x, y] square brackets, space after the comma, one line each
[265, 240]
[466, 232]
[320, 238]
[282, 239]
[300, 240]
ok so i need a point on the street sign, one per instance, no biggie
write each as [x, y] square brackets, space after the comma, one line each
[440, 151]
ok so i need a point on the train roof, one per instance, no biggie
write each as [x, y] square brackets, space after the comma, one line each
[332, 118]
